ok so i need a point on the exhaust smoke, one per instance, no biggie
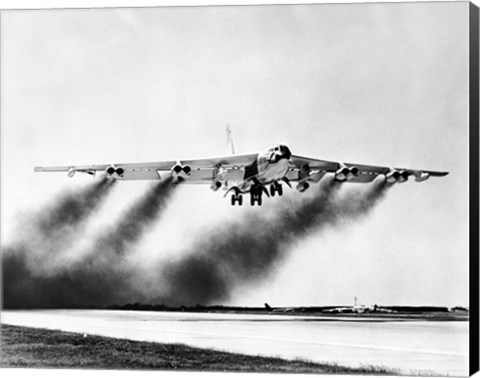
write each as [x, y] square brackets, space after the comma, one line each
[48, 232]
[44, 238]
[248, 250]
[72, 208]
[242, 251]
[101, 276]
[133, 224]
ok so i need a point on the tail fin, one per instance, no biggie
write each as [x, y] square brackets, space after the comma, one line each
[230, 140]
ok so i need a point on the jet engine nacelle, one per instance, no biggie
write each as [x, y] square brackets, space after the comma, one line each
[181, 172]
[302, 186]
[345, 173]
[114, 172]
[219, 178]
[423, 176]
[216, 185]
[71, 172]
[396, 176]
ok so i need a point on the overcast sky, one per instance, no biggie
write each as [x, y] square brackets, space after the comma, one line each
[379, 84]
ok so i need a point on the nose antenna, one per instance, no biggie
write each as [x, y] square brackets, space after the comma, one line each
[230, 139]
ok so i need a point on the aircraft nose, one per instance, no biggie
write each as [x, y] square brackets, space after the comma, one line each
[286, 152]
[279, 152]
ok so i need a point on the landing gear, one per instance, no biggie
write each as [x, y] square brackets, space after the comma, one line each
[255, 198]
[276, 188]
[237, 198]
[256, 192]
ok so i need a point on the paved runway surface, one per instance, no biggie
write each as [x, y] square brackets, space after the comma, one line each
[411, 346]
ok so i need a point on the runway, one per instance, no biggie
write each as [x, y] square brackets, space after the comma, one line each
[410, 346]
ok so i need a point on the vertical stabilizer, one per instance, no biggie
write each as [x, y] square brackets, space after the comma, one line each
[230, 146]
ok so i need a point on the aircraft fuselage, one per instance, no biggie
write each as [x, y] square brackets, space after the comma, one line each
[269, 167]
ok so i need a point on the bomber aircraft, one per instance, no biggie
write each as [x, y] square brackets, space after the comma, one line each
[253, 174]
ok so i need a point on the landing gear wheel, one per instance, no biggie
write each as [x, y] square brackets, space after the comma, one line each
[279, 188]
[256, 192]
[276, 188]
[237, 197]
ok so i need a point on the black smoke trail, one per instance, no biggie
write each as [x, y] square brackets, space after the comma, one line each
[79, 285]
[102, 276]
[49, 232]
[133, 224]
[237, 252]
[73, 207]
[246, 251]
[44, 237]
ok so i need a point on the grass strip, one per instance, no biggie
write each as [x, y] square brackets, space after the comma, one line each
[37, 348]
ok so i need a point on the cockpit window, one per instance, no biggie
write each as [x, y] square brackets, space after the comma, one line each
[284, 151]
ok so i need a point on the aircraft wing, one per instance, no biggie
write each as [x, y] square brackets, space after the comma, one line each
[201, 170]
[302, 168]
